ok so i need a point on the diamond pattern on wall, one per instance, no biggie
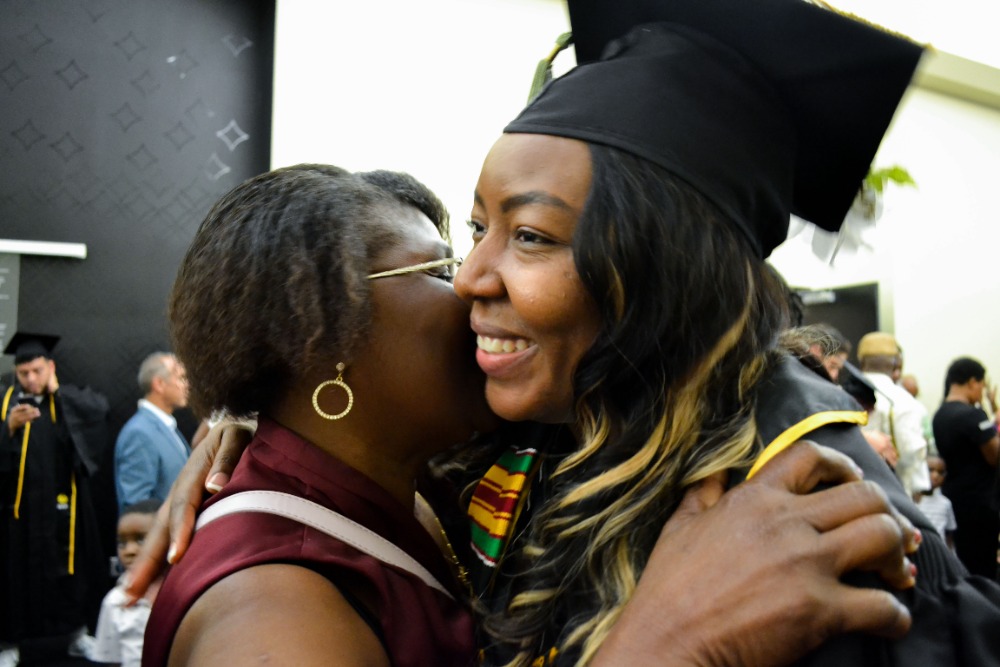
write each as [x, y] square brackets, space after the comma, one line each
[126, 116]
[130, 46]
[27, 135]
[237, 44]
[113, 118]
[232, 135]
[216, 168]
[35, 39]
[141, 158]
[12, 75]
[66, 146]
[179, 135]
[71, 74]
[145, 83]
[96, 9]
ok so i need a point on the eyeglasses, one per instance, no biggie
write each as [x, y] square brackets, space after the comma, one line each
[423, 266]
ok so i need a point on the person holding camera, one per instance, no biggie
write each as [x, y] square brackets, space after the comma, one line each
[51, 443]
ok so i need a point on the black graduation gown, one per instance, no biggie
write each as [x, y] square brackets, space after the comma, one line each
[956, 616]
[51, 569]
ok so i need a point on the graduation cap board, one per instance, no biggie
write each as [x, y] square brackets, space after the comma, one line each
[27, 346]
[766, 107]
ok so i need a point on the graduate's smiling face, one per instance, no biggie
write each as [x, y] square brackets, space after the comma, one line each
[34, 375]
[533, 317]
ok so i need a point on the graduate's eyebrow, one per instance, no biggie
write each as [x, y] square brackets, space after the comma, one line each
[533, 197]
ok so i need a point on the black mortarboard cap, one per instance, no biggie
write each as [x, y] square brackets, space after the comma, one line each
[27, 346]
[766, 107]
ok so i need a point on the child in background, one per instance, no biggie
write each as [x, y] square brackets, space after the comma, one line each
[120, 629]
[935, 505]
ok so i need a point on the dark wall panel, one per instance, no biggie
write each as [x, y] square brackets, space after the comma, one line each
[121, 122]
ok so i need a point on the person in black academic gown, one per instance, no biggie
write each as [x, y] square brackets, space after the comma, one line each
[51, 441]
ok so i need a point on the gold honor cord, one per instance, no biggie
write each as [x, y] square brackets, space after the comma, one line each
[6, 402]
[72, 525]
[807, 425]
[20, 477]
[24, 452]
[20, 471]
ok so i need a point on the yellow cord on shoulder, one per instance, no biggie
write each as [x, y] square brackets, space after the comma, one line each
[807, 425]
[6, 402]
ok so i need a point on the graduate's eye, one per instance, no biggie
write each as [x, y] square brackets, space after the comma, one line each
[530, 236]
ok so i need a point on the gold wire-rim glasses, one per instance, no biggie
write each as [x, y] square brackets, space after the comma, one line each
[423, 266]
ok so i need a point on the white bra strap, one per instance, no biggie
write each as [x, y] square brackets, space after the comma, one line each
[326, 520]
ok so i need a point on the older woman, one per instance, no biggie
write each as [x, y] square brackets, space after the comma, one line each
[321, 301]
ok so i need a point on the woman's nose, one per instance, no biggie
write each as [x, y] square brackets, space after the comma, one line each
[479, 276]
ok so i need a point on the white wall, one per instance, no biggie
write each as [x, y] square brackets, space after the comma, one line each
[426, 87]
[934, 246]
[423, 86]
[966, 28]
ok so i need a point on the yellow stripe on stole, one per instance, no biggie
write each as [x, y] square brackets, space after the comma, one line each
[505, 485]
[807, 425]
[494, 522]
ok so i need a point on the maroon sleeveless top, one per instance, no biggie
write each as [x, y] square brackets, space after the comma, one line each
[419, 625]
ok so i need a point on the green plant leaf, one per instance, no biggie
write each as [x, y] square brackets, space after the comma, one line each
[877, 178]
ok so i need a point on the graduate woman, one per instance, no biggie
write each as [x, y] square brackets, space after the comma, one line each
[618, 287]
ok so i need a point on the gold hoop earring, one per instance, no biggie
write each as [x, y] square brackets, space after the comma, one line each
[339, 381]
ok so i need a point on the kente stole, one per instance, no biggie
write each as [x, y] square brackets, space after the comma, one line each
[495, 503]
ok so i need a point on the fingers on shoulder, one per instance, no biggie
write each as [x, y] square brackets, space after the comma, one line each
[805, 464]
[871, 611]
[875, 542]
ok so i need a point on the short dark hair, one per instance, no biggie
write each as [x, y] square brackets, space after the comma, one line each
[962, 370]
[150, 506]
[274, 281]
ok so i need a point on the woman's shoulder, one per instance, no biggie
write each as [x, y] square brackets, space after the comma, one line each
[276, 609]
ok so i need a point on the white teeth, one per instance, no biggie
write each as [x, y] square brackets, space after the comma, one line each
[501, 345]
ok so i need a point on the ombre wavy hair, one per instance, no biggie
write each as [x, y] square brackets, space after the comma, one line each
[664, 398]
